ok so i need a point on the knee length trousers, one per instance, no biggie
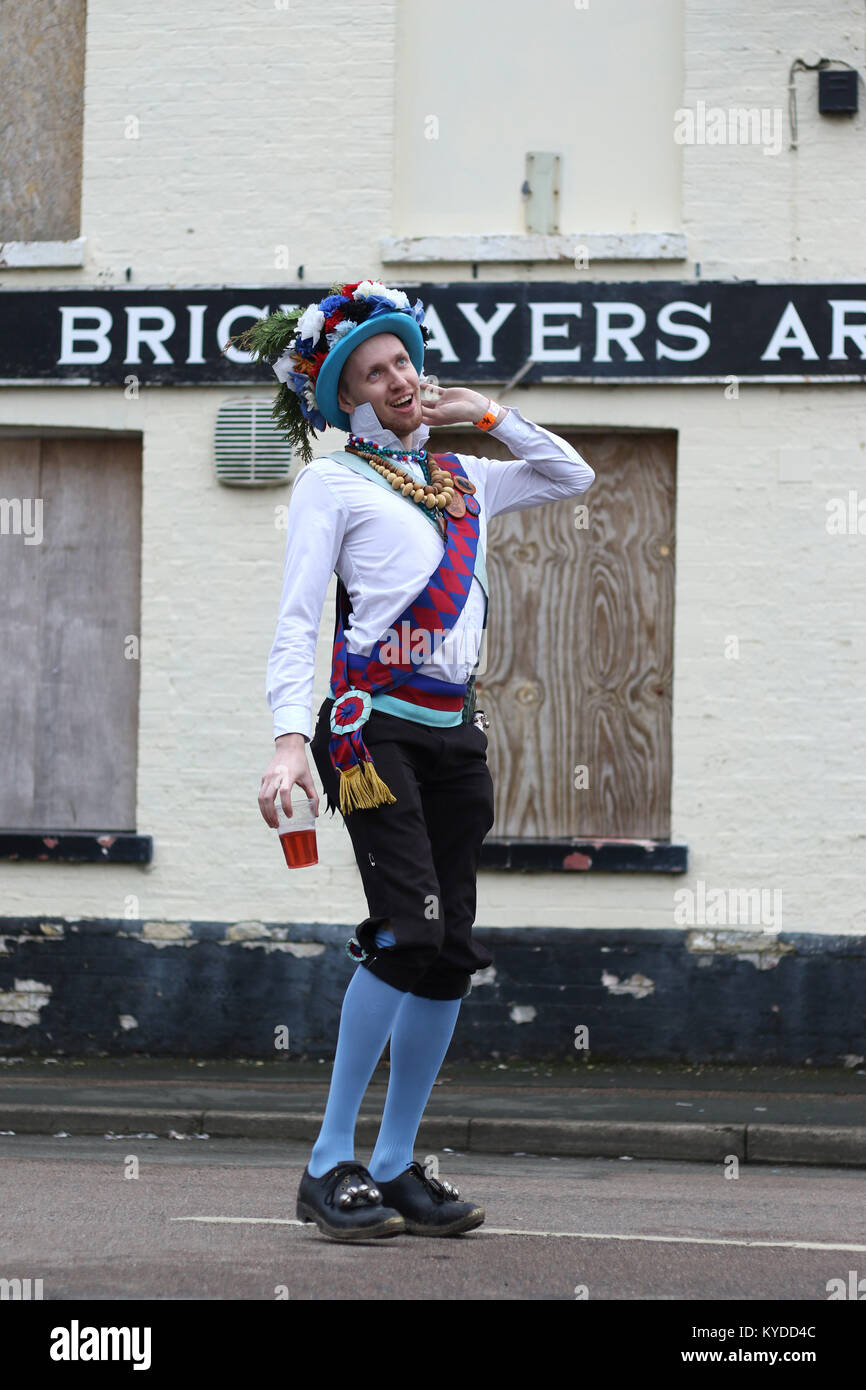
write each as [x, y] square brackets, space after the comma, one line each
[418, 858]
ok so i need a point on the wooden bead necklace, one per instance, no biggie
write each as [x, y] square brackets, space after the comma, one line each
[436, 492]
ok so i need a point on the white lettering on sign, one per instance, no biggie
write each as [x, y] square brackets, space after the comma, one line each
[667, 324]
[485, 330]
[154, 334]
[226, 326]
[152, 338]
[842, 329]
[84, 325]
[790, 332]
[438, 340]
[196, 334]
[85, 333]
[541, 330]
[605, 333]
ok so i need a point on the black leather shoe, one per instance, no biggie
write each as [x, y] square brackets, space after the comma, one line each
[346, 1204]
[430, 1207]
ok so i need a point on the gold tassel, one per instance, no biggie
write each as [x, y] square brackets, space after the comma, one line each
[361, 788]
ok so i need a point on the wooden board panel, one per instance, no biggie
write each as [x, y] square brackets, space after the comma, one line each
[19, 635]
[580, 646]
[68, 693]
[42, 61]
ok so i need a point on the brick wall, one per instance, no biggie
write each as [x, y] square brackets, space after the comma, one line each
[259, 128]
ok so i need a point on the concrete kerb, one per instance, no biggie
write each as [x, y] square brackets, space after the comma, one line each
[97, 1119]
[688, 1142]
[845, 1145]
[609, 1139]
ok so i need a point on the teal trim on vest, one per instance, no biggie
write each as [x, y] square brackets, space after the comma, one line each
[480, 571]
[418, 714]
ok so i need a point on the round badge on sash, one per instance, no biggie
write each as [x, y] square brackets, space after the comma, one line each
[350, 710]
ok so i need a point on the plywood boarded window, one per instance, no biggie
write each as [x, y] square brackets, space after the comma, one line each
[69, 678]
[578, 669]
[42, 50]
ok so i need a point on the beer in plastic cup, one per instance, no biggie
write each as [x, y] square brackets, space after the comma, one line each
[297, 833]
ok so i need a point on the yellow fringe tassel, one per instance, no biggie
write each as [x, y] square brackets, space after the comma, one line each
[361, 788]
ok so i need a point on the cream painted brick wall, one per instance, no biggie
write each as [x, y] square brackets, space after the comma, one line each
[245, 141]
[258, 127]
[797, 214]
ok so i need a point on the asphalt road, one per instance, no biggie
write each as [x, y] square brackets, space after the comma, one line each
[214, 1219]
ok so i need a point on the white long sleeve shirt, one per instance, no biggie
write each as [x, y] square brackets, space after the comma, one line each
[384, 550]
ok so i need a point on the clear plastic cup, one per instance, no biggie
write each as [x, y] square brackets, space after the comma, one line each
[297, 833]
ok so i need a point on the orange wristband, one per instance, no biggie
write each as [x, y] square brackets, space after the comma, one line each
[488, 419]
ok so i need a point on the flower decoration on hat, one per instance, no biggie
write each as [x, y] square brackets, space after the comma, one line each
[299, 342]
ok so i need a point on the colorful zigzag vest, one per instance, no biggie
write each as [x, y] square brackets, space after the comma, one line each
[431, 615]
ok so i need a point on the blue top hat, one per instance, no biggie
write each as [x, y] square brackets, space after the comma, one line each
[328, 380]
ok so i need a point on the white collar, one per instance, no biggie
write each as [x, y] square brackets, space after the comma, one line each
[364, 421]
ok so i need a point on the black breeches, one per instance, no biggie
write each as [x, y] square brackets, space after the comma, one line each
[418, 857]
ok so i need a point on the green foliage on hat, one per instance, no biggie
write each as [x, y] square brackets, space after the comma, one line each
[266, 340]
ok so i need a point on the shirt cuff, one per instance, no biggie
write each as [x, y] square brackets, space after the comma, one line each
[293, 719]
[511, 419]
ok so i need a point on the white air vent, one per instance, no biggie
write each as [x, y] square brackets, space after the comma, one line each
[248, 449]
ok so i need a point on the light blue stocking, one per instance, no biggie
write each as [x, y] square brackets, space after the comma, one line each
[422, 1032]
[369, 1009]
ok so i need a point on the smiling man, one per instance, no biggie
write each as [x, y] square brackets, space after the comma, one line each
[397, 742]
[380, 373]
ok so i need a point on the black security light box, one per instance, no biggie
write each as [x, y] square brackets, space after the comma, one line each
[837, 90]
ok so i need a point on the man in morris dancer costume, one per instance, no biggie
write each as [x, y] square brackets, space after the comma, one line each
[397, 743]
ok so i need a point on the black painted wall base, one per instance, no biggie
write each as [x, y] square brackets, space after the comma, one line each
[568, 856]
[77, 846]
[204, 989]
[584, 856]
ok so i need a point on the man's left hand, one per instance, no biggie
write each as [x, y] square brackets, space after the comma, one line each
[451, 405]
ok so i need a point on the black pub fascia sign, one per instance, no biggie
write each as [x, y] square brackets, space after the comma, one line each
[644, 332]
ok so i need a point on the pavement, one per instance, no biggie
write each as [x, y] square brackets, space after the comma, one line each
[566, 1108]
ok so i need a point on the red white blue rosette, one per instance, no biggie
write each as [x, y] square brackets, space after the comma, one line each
[350, 710]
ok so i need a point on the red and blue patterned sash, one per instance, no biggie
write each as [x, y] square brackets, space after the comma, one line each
[430, 616]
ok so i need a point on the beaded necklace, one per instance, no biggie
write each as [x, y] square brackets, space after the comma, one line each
[388, 451]
[436, 492]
